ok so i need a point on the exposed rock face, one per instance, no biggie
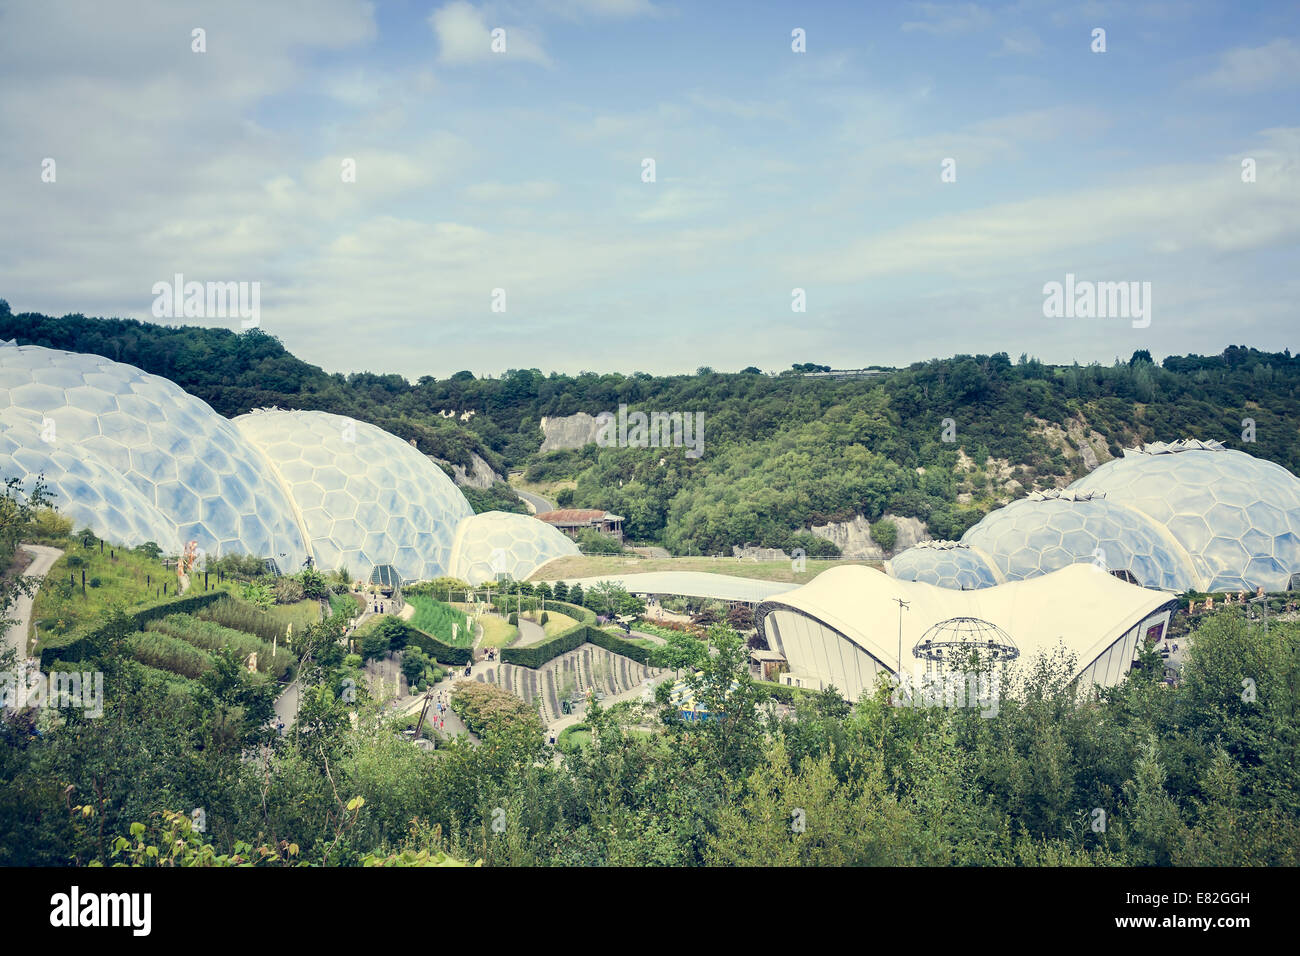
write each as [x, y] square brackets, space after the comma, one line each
[1076, 440]
[569, 431]
[854, 537]
[480, 475]
[758, 554]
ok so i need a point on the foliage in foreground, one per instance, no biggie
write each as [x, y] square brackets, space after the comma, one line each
[1143, 774]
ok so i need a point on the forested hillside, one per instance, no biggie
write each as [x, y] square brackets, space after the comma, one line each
[781, 452]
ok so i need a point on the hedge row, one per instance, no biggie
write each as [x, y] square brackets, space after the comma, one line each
[506, 603]
[77, 650]
[536, 655]
[619, 646]
[440, 652]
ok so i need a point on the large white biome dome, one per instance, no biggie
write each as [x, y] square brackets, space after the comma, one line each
[1236, 516]
[364, 496]
[499, 543]
[1189, 515]
[136, 458]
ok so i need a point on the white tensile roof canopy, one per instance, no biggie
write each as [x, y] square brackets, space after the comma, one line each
[1080, 606]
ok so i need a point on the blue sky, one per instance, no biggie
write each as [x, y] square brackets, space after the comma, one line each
[775, 170]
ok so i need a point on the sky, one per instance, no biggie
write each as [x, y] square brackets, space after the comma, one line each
[500, 214]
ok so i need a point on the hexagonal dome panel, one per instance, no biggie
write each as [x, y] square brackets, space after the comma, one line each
[1237, 515]
[366, 496]
[136, 458]
[946, 564]
[1041, 533]
[497, 542]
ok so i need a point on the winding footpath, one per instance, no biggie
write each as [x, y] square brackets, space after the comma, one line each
[43, 558]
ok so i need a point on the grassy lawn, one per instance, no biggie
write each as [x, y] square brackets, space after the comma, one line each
[573, 737]
[555, 621]
[497, 632]
[436, 618]
[576, 566]
[133, 581]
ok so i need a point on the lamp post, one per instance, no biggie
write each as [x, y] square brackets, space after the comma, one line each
[902, 606]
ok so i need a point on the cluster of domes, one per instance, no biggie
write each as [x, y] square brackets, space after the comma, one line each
[136, 458]
[1188, 515]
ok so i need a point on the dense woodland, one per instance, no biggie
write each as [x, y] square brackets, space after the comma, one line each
[782, 452]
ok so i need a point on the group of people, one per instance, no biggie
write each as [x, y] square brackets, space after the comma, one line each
[440, 706]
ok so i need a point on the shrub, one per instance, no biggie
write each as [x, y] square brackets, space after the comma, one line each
[240, 616]
[94, 582]
[169, 653]
[259, 594]
[545, 618]
[313, 583]
[374, 646]
[591, 541]
[288, 591]
[486, 708]
[211, 636]
[885, 534]
[414, 663]
[513, 619]
[48, 523]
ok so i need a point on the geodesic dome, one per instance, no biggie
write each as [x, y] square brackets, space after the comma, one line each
[1237, 516]
[1043, 533]
[949, 643]
[947, 564]
[136, 458]
[365, 497]
[499, 543]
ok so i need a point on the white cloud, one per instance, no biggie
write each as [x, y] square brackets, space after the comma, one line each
[580, 9]
[949, 18]
[1173, 209]
[534, 191]
[1248, 69]
[465, 37]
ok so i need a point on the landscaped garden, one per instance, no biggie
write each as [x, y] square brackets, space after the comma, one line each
[65, 608]
[497, 631]
[441, 620]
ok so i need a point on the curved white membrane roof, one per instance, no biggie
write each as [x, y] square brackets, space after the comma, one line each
[842, 628]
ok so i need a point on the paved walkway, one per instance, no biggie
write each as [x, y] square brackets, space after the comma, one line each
[43, 558]
[529, 633]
